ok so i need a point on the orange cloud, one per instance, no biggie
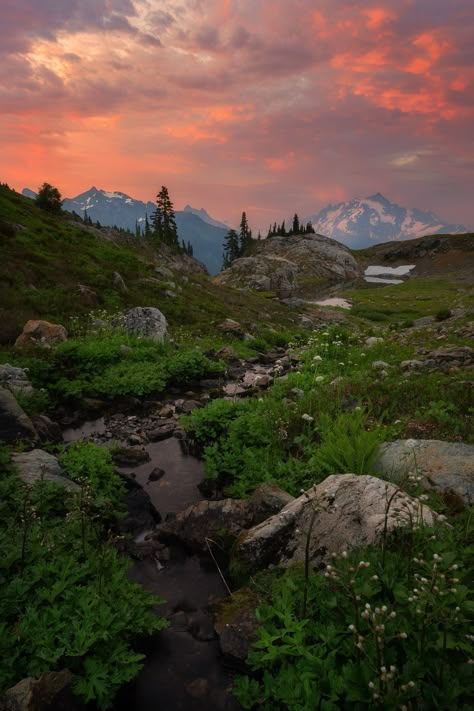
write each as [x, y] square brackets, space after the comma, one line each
[377, 16]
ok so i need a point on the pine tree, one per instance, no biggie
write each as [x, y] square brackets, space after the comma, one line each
[49, 198]
[147, 227]
[231, 248]
[296, 225]
[245, 236]
[163, 220]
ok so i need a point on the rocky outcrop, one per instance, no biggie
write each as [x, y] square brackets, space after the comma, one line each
[281, 263]
[442, 359]
[39, 465]
[262, 273]
[146, 321]
[445, 467]
[41, 334]
[344, 511]
[15, 379]
[14, 422]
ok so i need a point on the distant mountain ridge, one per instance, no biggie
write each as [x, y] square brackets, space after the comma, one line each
[116, 208]
[364, 222]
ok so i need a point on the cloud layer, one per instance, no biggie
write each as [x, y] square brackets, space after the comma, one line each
[262, 105]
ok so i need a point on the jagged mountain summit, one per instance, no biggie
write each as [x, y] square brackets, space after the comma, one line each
[364, 222]
[116, 208]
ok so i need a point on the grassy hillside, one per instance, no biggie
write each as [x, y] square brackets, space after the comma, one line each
[46, 258]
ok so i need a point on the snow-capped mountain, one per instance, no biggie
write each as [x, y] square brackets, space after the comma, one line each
[117, 208]
[364, 222]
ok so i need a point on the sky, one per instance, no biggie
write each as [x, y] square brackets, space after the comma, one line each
[267, 106]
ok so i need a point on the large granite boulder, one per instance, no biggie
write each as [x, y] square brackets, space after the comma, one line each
[37, 694]
[349, 511]
[146, 321]
[39, 465]
[41, 334]
[15, 379]
[446, 467]
[14, 422]
[280, 263]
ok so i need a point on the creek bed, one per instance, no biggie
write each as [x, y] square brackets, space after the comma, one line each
[183, 670]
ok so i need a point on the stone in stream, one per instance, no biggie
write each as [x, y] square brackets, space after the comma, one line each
[129, 456]
[162, 432]
[156, 474]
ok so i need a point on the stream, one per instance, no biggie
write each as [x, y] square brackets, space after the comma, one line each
[183, 670]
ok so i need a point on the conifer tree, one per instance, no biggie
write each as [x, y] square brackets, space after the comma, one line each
[231, 248]
[163, 220]
[245, 236]
[296, 225]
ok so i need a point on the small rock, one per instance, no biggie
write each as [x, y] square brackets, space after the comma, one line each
[232, 327]
[156, 474]
[380, 365]
[37, 694]
[15, 379]
[129, 456]
[39, 465]
[162, 432]
[189, 406]
[372, 341]
[41, 334]
[198, 688]
[119, 283]
[166, 411]
[14, 422]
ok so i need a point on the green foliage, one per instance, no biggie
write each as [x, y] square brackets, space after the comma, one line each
[87, 462]
[65, 600]
[379, 632]
[346, 445]
[49, 199]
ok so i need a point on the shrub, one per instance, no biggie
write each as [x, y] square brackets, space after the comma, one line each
[87, 462]
[443, 314]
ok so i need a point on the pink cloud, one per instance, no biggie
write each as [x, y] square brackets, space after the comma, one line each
[282, 105]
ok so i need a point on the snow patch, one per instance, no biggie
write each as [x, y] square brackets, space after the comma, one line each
[404, 269]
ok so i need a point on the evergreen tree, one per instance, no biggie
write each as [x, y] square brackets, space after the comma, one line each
[163, 220]
[245, 236]
[296, 225]
[49, 199]
[231, 248]
[309, 228]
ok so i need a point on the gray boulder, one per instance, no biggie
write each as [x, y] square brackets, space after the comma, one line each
[39, 465]
[119, 283]
[349, 511]
[14, 422]
[15, 379]
[146, 321]
[261, 273]
[446, 467]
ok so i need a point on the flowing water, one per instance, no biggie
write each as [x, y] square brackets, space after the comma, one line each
[183, 669]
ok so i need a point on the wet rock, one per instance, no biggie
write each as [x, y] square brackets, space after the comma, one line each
[141, 514]
[162, 432]
[198, 688]
[14, 422]
[156, 474]
[129, 456]
[39, 465]
[201, 626]
[37, 694]
[136, 439]
[189, 406]
[358, 520]
[446, 467]
[15, 379]
[146, 321]
[166, 411]
[236, 624]
[48, 431]
[41, 334]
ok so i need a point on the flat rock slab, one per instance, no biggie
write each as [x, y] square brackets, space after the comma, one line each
[349, 511]
[39, 465]
[446, 467]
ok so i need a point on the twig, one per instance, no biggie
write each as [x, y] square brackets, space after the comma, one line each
[208, 541]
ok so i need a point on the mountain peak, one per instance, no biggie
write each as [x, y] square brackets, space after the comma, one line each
[378, 197]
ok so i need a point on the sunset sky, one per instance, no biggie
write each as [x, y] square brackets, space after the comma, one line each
[268, 106]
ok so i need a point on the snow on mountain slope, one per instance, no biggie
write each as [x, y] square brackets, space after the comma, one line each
[363, 222]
